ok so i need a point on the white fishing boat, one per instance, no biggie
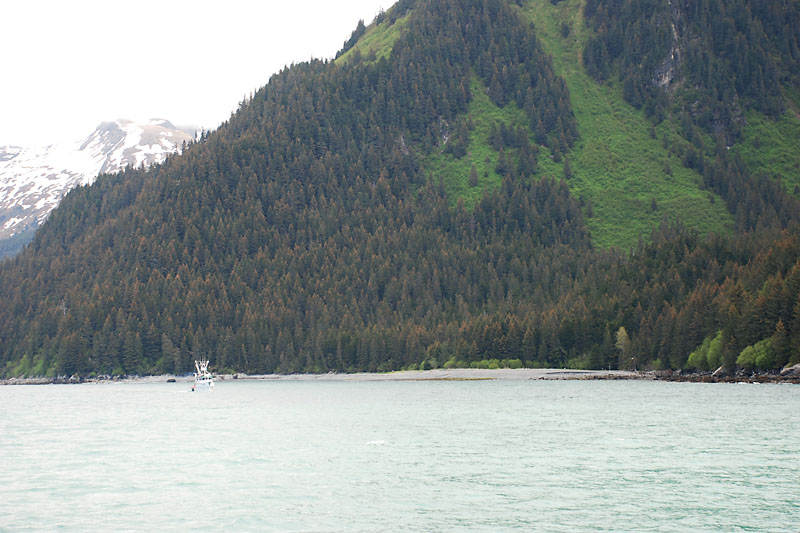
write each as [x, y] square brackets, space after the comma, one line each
[203, 380]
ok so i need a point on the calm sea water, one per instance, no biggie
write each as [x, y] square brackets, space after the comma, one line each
[401, 456]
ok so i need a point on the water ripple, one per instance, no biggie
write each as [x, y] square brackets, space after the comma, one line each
[435, 456]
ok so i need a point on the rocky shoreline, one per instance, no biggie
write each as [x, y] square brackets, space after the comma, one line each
[790, 375]
[739, 377]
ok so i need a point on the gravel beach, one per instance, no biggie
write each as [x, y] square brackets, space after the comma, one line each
[454, 374]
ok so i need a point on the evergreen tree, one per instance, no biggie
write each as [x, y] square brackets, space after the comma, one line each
[473, 176]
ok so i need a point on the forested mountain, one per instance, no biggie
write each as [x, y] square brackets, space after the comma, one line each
[431, 198]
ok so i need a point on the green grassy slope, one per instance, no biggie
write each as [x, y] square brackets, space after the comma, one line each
[453, 171]
[771, 147]
[617, 163]
[620, 165]
[379, 38]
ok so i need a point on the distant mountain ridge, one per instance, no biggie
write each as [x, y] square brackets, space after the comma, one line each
[34, 179]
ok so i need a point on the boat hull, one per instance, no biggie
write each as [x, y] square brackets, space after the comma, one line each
[203, 385]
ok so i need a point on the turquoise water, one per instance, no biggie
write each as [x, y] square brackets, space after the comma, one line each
[401, 456]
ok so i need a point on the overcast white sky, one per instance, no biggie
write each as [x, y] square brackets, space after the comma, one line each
[66, 66]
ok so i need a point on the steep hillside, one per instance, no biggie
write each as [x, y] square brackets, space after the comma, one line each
[630, 169]
[723, 75]
[378, 40]
[769, 147]
[622, 163]
[445, 200]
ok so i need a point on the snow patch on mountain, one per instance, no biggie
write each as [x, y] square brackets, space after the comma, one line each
[33, 180]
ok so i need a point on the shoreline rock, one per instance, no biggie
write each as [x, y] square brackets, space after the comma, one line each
[719, 376]
[791, 370]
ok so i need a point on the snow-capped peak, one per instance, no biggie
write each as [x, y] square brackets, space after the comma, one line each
[33, 180]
